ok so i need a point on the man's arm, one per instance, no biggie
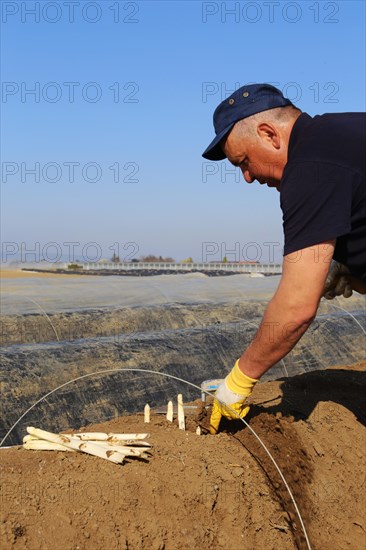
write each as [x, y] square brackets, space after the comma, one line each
[288, 316]
[291, 310]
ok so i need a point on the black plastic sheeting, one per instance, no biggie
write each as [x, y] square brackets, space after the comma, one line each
[193, 342]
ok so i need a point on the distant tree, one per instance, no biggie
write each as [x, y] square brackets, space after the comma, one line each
[149, 258]
[224, 260]
[187, 261]
[115, 259]
[159, 259]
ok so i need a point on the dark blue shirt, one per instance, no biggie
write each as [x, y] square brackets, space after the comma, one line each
[323, 188]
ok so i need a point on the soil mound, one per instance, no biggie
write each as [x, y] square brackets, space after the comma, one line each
[205, 491]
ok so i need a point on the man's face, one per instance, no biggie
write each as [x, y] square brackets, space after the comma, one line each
[259, 156]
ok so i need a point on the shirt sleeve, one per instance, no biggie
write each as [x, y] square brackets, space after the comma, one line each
[316, 200]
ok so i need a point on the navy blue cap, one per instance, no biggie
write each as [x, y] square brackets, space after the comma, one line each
[247, 101]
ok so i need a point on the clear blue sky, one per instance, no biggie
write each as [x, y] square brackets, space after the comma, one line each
[171, 63]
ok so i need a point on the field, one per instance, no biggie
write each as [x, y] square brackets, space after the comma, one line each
[207, 491]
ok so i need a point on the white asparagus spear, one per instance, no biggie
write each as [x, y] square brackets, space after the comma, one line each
[101, 436]
[43, 445]
[124, 442]
[147, 413]
[169, 412]
[124, 449]
[87, 447]
[29, 437]
[129, 451]
[181, 420]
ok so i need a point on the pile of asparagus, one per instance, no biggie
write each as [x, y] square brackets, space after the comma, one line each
[110, 446]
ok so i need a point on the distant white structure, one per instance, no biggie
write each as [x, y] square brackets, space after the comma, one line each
[253, 268]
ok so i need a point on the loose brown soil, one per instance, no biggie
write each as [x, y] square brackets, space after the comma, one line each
[207, 492]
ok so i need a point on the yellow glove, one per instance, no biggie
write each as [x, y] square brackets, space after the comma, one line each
[233, 391]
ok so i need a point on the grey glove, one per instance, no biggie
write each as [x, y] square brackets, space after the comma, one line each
[337, 282]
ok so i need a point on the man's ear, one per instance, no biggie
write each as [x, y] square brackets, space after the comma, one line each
[269, 134]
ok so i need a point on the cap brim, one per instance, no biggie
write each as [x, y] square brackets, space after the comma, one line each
[214, 151]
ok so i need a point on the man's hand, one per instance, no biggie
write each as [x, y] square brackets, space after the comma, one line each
[233, 391]
[338, 281]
